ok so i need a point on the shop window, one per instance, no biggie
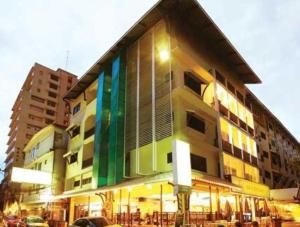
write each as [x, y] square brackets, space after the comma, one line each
[195, 122]
[198, 163]
[76, 109]
[192, 82]
[73, 158]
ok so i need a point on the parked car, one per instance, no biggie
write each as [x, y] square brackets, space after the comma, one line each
[92, 222]
[11, 221]
[32, 221]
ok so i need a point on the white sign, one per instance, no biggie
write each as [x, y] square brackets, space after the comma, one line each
[30, 176]
[181, 159]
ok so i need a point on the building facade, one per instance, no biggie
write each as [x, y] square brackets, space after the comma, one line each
[39, 103]
[44, 152]
[172, 77]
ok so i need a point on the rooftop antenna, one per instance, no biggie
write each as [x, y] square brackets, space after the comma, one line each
[67, 60]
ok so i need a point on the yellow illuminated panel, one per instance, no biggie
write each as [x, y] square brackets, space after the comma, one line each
[22, 175]
[222, 95]
[242, 113]
[224, 129]
[249, 118]
[251, 188]
[232, 104]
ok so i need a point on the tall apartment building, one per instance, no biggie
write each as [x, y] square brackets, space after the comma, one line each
[39, 103]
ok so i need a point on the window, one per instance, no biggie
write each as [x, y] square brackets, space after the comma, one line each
[198, 163]
[265, 154]
[49, 121]
[169, 157]
[54, 77]
[220, 78]
[240, 96]
[76, 109]
[50, 103]
[52, 94]
[76, 183]
[263, 135]
[192, 82]
[73, 158]
[267, 174]
[195, 122]
[87, 181]
[50, 112]
[53, 86]
[75, 131]
[38, 99]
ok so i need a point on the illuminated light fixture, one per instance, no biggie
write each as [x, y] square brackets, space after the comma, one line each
[149, 186]
[129, 189]
[164, 55]
[21, 175]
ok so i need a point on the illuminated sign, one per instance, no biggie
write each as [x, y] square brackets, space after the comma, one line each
[30, 176]
[251, 188]
[181, 160]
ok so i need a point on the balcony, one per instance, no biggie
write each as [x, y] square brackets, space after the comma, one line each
[233, 117]
[254, 160]
[243, 125]
[89, 133]
[227, 147]
[251, 131]
[223, 110]
[237, 152]
[246, 156]
[86, 163]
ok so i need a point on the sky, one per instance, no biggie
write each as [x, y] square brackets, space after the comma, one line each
[265, 32]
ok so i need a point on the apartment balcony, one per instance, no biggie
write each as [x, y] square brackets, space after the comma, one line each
[223, 110]
[254, 160]
[89, 133]
[246, 156]
[233, 117]
[237, 152]
[87, 163]
[227, 147]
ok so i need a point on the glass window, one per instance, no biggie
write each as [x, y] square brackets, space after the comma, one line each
[198, 163]
[222, 95]
[195, 122]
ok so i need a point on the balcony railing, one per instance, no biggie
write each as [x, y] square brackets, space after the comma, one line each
[237, 152]
[227, 147]
[233, 117]
[89, 133]
[246, 156]
[254, 160]
[86, 163]
[223, 110]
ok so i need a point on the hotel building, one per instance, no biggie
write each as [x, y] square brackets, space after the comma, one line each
[173, 77]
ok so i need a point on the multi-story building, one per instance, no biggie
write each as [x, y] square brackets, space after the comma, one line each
[276, 148]
[44, 152]
[39, 103]
[172, 78]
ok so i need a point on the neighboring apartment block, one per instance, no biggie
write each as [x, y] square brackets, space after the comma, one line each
[39, 103]
[44, 152]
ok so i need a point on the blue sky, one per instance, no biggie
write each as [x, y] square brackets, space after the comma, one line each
[266, 33]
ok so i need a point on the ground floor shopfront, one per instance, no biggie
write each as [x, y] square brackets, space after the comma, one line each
[152, 201]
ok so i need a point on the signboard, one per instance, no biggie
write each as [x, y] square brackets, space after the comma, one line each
[21, 175]
[182, 172]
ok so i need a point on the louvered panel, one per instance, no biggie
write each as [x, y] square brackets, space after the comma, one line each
[145, 92]
[131, 99]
